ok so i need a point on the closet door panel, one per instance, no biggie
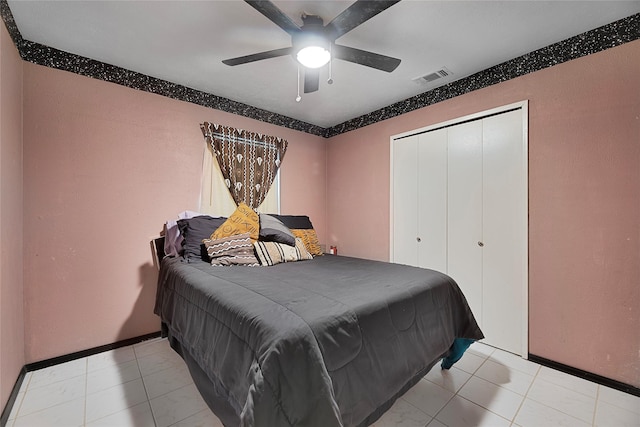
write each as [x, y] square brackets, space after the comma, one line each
[464, 188]
[432, 200]
[405, 202]
[505, 226]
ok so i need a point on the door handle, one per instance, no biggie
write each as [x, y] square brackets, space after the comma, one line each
[418, 239]
[480, 244]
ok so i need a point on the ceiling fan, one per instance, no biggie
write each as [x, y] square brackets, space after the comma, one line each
[317, 41]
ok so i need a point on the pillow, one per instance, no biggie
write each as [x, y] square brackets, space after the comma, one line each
[310, 240]
[243, 220]
[271, 253]
[232, 250]
[195, 229]
[172, 237]
[273, 230]
[300, 226]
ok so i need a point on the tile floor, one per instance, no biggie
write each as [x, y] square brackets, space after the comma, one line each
[147, 384]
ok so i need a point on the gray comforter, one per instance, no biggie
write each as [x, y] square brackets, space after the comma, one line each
[327, 342]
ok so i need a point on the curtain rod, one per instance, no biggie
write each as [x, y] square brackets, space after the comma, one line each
[242, 140]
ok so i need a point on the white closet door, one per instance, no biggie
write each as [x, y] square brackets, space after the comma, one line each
[432, 200]
[505, 225]
[405, 201]
[461, 190]
[464, 212]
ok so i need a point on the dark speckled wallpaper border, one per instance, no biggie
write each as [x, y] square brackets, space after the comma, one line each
[599, 39]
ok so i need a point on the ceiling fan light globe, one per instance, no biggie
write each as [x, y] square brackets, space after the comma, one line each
[313, 56]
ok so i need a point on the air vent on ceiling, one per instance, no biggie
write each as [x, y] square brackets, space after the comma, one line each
[431, 77]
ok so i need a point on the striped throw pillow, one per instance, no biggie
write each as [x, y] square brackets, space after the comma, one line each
[232, 250]
[271, 253]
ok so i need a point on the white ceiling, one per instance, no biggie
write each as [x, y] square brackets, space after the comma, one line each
[184, 42]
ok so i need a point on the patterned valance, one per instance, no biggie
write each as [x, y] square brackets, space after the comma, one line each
[249, 161]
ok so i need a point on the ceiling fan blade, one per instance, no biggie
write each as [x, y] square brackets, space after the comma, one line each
[363, 57]
[311, 80]
[258, 56]
[275, 15]
[356, 14]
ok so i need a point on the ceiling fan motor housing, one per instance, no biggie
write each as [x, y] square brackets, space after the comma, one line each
[312, 34]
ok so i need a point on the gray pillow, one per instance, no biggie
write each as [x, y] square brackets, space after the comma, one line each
[273, 230]
[195, 229]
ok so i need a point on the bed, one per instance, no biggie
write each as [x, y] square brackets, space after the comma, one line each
[331, 341]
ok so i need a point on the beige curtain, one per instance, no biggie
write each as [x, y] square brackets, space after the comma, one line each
[248, 161]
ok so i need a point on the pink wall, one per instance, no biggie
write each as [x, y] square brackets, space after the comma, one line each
[12, 356]
[584, 203]
[104, 167]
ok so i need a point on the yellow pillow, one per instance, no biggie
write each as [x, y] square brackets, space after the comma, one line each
[243, 220]
[310, 239]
